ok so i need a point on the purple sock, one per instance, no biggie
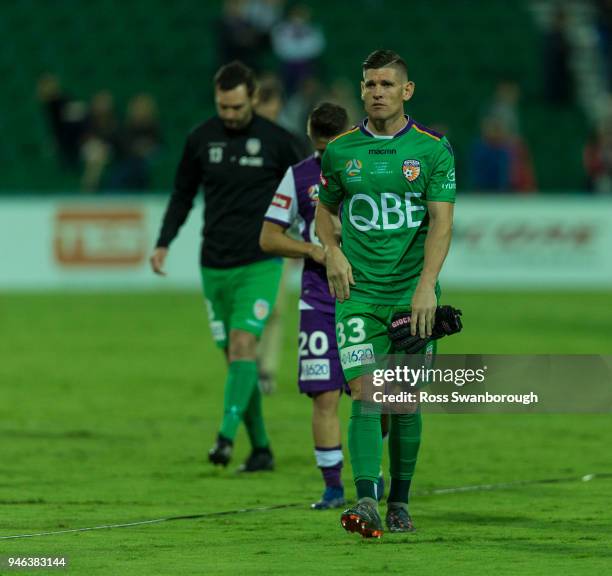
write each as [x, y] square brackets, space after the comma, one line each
[329, 460]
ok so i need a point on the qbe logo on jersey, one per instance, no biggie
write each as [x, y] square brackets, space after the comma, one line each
[387, 211]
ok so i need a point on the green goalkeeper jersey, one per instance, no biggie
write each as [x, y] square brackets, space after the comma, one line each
[383, 184]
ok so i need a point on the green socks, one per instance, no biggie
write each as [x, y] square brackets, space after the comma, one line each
[239, 387]
[365, 448]
[254, 422]
[404, 442]
[243, 402]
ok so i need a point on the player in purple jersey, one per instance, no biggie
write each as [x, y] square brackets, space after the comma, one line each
[320, 372]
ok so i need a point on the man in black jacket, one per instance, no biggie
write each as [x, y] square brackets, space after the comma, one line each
[239, 158]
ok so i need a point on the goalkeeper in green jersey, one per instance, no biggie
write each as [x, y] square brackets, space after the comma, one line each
[394, 181]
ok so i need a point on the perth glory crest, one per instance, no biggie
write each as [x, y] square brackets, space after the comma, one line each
[411, 169]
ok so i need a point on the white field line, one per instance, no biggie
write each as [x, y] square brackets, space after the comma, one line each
[432, 492]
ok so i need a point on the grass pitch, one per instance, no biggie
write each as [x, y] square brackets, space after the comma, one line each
[109, 402]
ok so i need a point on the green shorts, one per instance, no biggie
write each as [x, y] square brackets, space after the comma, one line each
[361, 332]
[240, 298]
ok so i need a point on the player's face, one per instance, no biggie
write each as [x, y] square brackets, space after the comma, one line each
[384, 92]
[235, 107]
[318, 142]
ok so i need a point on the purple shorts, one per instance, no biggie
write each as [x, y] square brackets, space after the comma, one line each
[319, 366]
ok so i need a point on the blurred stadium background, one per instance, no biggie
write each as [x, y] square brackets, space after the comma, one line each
[108, 373]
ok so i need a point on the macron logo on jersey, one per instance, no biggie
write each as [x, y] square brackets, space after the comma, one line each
[281, 201]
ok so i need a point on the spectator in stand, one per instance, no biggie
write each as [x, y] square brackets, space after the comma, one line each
[342, 93]
[264, 15]
[558, 78]
[298, 106]
[67, 119]
[593, 160]
[238, 38]
[139, 143]
[522, 175]
[298, 44]
[597, 156]
[270, 97]
[101, 140]
[505, 106]
[604, 31]
[505, 109]
[490, 159]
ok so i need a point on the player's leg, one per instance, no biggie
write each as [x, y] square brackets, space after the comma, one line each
[404, 442]
[218, 303]
[270, 344]
[261, 457]
[365, 443]
[365, 449]
[384, 431]
[362, 335]
[321, 378]
[241, 379]
[253, 299]
[239, 385]
[328, 448]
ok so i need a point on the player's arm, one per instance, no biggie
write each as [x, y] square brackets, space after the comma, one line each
[274, 240]
[280, 216]
[437, 243]
[440, 197]
[339, 271]
[186, 184]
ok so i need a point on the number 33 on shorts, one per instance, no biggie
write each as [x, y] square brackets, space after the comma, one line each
[354, 334]
[354, 353]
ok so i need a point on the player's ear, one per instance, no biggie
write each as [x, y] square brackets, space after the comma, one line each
[254, 98]
[408, 90]
[362, 83]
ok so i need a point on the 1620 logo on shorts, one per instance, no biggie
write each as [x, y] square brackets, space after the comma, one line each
[357, 355]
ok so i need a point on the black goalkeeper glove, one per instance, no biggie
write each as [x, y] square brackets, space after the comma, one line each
[447, 322]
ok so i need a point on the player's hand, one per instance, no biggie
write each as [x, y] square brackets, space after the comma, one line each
[317, 254]
[158, 259]
[339, 274]
[423, 311]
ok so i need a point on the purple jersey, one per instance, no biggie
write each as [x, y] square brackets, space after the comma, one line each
[294, 205]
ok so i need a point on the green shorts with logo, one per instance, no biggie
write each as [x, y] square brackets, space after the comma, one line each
[240, 298]
[361, 332]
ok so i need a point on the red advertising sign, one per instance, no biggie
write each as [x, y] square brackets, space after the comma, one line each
[99, 237]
